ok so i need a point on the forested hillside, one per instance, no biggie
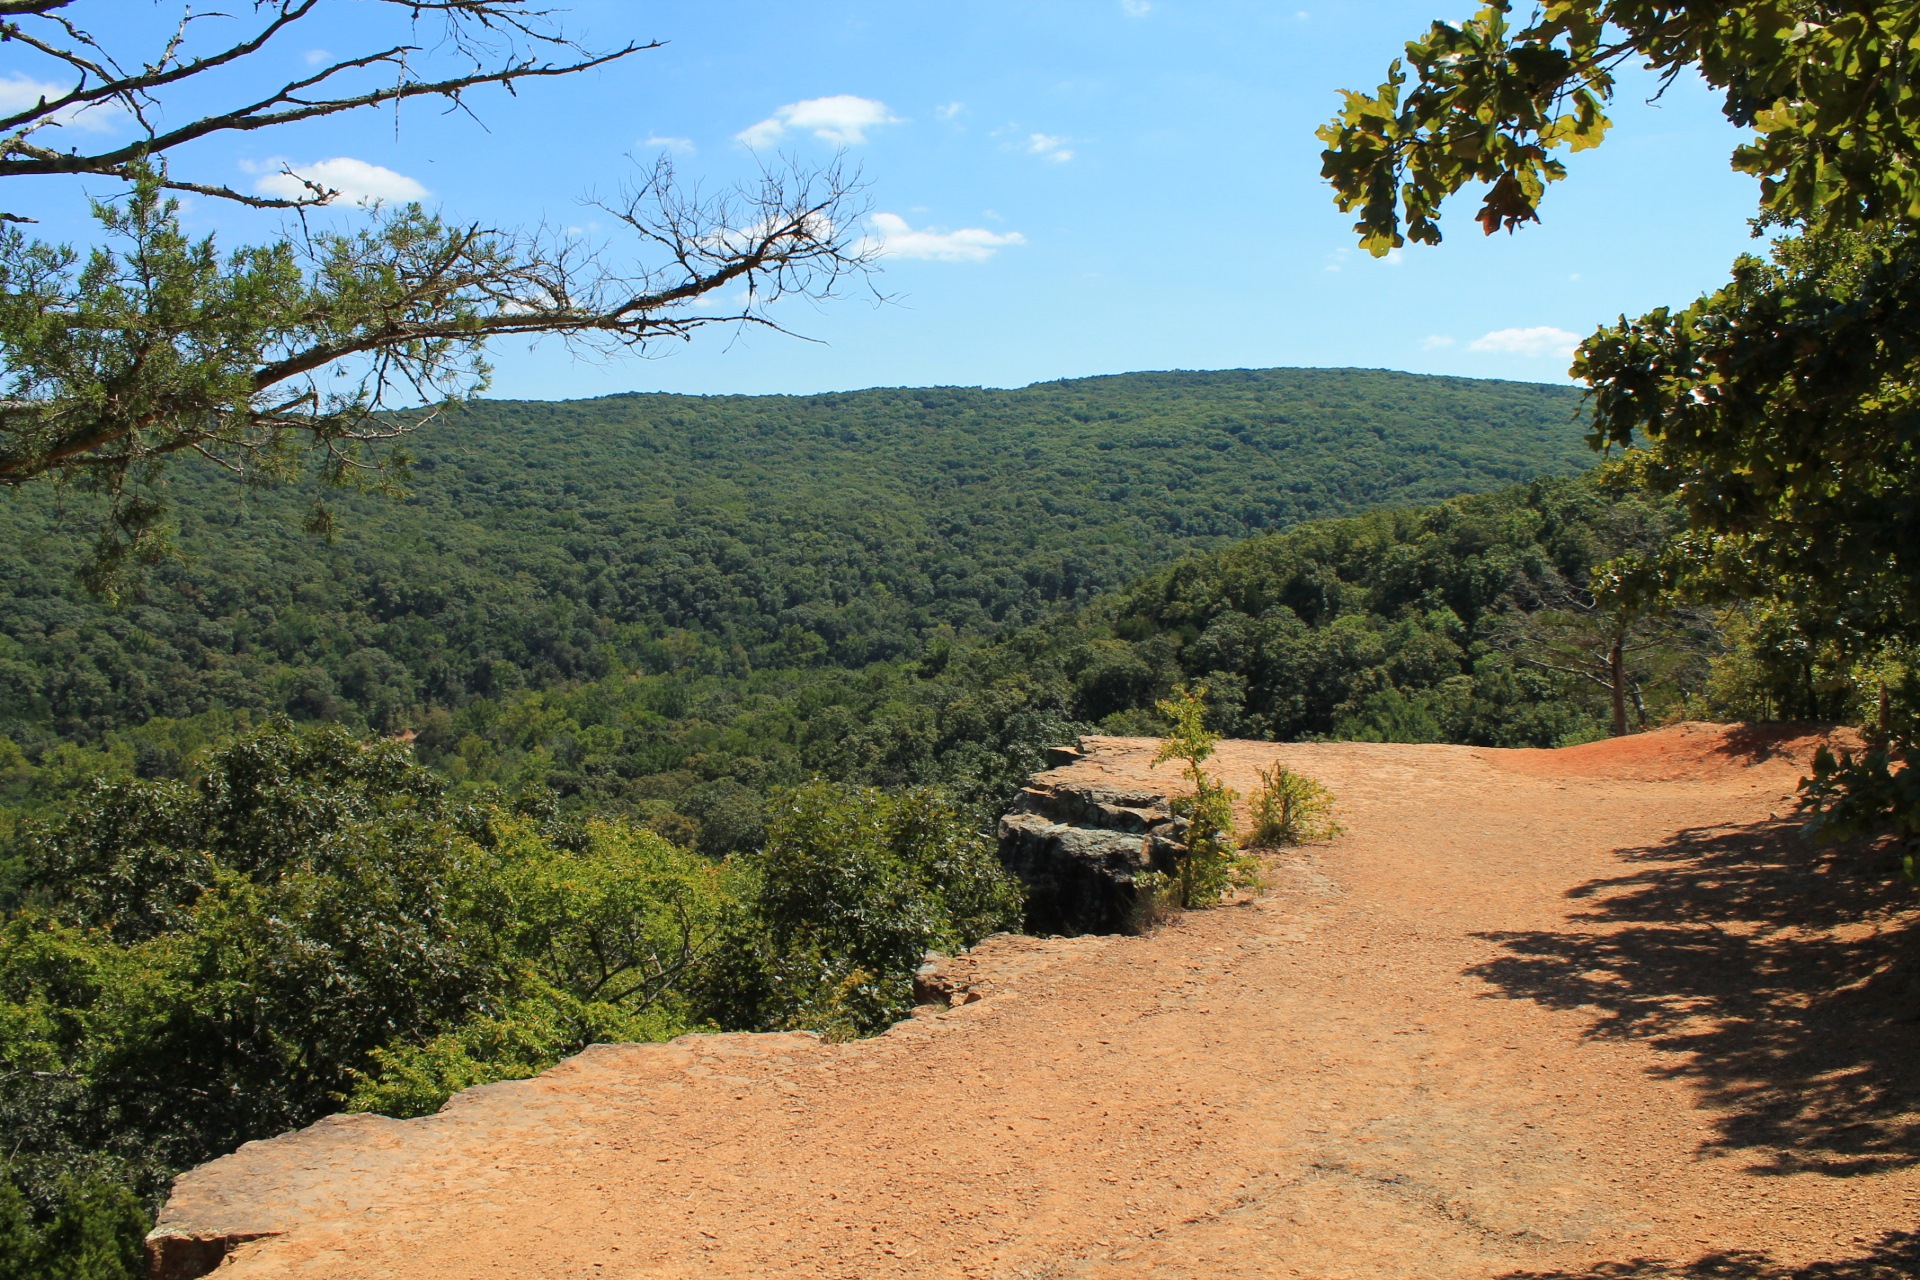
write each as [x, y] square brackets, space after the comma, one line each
[547, 543]
[701, 722]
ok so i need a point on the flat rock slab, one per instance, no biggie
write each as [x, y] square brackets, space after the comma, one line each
[1536, 1015]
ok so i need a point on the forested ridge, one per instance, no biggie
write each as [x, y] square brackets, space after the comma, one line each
[554, 542]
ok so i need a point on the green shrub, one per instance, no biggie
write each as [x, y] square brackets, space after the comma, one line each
[1291, 808]
[311, 921]
[1211, 864]
[853, 887]
[606, 936]
[92, 1229]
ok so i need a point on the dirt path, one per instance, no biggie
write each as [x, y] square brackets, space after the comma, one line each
[1537, 1014]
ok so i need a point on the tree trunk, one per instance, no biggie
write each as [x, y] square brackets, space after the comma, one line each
[1617, 670]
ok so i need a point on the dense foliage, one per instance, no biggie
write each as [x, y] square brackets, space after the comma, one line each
[1824, 88]
[663, 605]
[311, 921]
[726, 535]
[1396, 626]
[1780, 408]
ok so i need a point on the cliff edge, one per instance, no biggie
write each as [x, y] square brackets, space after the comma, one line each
[1575, 1014]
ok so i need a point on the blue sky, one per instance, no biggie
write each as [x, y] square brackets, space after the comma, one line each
[1070, 187]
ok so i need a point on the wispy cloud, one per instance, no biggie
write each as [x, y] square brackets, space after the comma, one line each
[1536, 342]
[1435, 342]
[892, 235]
[662, 142]
[1137, 8]
[1053, 146]
[20, 93]
[357, 181]
[948, 110]
[1337, 260]
[842, 119]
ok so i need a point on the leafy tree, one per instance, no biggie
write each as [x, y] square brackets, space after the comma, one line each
[259, 360]
[1492, 99]
[1776, 407]
[1780, 408]
[852, 890]
[1617, 630]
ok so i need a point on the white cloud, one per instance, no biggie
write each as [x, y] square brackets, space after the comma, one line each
[893, 236]
[664, 142]
[737, 301]
[357, 181]
[948, 110]
[20, 93]
[1052, 146]
[1538, 341]
[842, 119]
[1137, 8]
[1435, 342]
[317, 56]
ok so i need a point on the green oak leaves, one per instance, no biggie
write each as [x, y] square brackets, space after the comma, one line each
[1827, 91]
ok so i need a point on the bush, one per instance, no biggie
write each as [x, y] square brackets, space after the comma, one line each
[852, 889]
[1874, 793]
[311, 921]
[1291, 808]
[93, 1229]
[1211, 864]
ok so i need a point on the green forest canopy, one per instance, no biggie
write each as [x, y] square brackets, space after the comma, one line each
[556, 542]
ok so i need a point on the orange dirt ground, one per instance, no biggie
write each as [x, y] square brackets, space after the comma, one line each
[1599, 1012]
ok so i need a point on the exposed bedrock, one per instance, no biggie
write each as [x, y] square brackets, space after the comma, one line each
[1080, 845]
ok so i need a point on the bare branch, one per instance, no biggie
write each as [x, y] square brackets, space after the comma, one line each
[102, 83]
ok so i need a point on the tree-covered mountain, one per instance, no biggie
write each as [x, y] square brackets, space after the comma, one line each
[544, 543]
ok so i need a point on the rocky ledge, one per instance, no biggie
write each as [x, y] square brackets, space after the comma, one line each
[1081, 839]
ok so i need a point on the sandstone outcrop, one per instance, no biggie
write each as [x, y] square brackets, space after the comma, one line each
[1080, 838]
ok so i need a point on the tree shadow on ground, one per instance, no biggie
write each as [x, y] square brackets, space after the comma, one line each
[1751, 744]
[1780, 975]
[1896, 1257]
